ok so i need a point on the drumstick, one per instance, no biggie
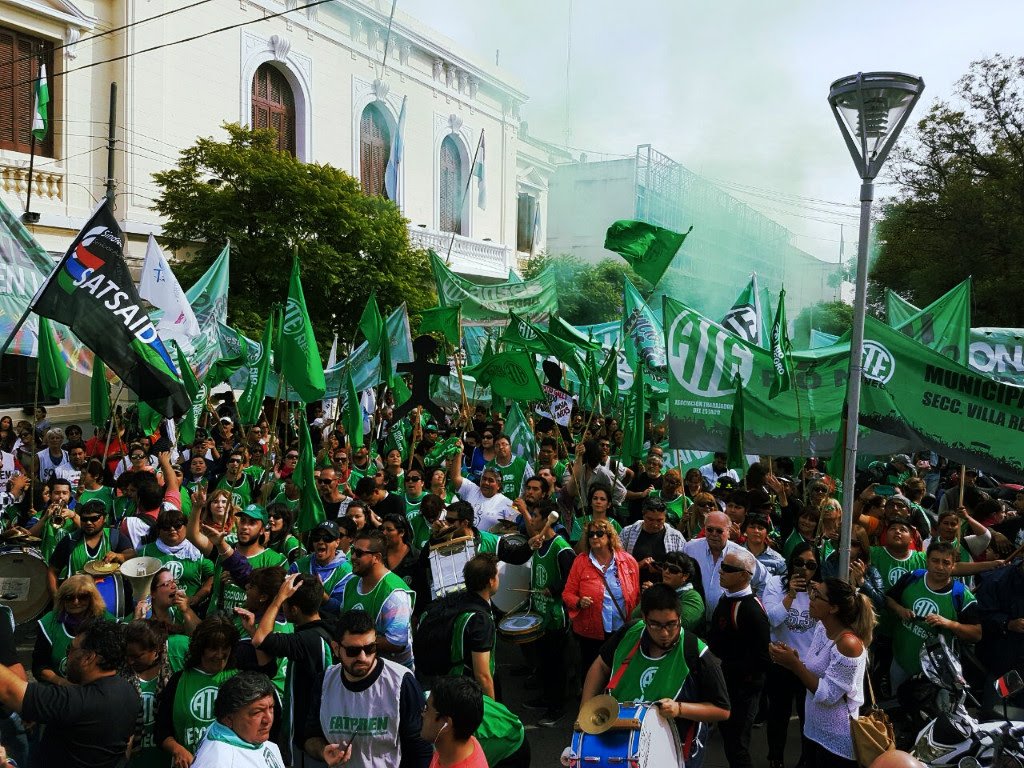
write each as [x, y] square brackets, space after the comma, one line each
[552, 519]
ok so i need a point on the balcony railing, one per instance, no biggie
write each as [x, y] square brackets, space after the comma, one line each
[47, 178]
[469, 256]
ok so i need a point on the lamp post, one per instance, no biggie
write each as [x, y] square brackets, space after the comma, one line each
[871, 109]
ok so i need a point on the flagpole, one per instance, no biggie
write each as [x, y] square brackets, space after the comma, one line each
[110, 424]
[465, 193]
[277, 404]
[31, 166]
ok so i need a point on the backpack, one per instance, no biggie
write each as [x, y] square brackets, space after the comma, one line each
[433, 644]
[957, 592]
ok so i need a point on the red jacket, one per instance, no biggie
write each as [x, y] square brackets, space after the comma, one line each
[585, 580]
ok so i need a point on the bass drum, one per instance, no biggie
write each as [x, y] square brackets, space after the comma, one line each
[642, 738]
[513, 583]
[514, 549]
[23, 582]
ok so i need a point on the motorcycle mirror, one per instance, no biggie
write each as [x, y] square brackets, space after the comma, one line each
[1009, 684]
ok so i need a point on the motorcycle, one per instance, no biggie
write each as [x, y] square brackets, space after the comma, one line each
[953, 738]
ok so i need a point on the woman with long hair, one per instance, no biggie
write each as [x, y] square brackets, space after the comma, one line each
[280, 537]
[693, 519]
[210, 661]
[394, 472]
[787, 603]
[76, 603]
[599, 503]
[693, 483]
[400, 557]
[832, 670]
[147, 657]
[168, 605]
[7, 434]
[437, 479]
[603, 576]
[218, 510]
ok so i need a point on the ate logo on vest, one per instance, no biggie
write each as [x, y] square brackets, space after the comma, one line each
[923, 606]
[541, 577]
[645, 680]
[175, 569]
[201, 705]
[896, 574]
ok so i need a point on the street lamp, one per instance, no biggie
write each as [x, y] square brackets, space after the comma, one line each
[871, 109]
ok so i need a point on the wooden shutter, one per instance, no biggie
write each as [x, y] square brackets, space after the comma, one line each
[374, 150]
[451, 187]
[19, 69]
[526, 211]
[273, 105]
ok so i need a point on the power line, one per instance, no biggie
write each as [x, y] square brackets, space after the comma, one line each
[116, 29]
[152, 48]
[799, 198]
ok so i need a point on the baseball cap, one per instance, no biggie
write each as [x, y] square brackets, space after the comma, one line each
[725, 484]
[256, 512]
[328, 527]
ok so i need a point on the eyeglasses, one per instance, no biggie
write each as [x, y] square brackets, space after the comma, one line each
[452, 520]
[171, 526]
[730, 568]
[666, 626]
[819, 490]
[486, 437]
[357, 552]
[324, 480]
[138, 456]
[292, 456]
[91, 518]
[714, 530]
[596, 534]
[341, 459]
[234, 461]
[353, 651]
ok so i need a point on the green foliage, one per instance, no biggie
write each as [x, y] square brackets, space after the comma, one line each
[960, 210]
[267, 203]
[587, 293]
[835, 317]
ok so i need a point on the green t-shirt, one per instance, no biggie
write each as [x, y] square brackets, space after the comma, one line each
[910, 634]
[192, 709]
[891, 571]
[241, 494]
[190, 574]
[513, 475]
[104, 494]
[227, 597]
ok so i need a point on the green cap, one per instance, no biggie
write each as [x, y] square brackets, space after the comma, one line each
[256, 512]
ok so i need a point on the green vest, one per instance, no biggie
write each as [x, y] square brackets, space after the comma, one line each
[892, 570]
[60, 640]
[488, 542]
[152, 755]
[305, 565]
[279, 677]
[282, 499]
[192, 709]
[543, 571]
[910, 635]
[80, 554]
[511, 475]
[190, 574]
[103, 494]
[51, 537]
[458, 658]
[241, 494]
[372, 603]
[177, 652]
[230, 596]
[500, 733]
[647, 679]
[124, 506]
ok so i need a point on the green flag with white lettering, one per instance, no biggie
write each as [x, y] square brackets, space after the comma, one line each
[251, 402]
[300, 357]
[510, 375]
[781, 350]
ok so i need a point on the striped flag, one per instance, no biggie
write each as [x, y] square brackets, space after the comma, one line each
[395, 157]
[42, 101]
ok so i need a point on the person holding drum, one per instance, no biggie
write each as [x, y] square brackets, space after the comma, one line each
[602, 590]
[671, 671]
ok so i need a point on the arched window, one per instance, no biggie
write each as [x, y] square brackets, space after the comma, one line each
[452, 182]
[273, 105]
[374, 150]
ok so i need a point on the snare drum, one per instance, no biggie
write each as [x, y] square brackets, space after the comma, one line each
[446, 563]
[521, 627]
[644, 740]
[23, 582]
[513, 582]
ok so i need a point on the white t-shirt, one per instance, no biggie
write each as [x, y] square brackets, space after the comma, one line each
[217, 753]
[47, 466]
[7, 468]
[488, 511]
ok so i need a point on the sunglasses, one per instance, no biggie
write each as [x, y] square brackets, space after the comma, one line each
[171, 526]
[596, 534]
[91, 519]
[230, 461]
[414, 479]
[340, 459]
[137, 456]
[486, 437]
[276, 516]
[452, 520]
[706, 504]
[324, 481]
[78, 597]
[353, 651]
[292, 456]
[357, 552]
[810, 565]
[714, 530]
[729, 568]
[671, 569]
[321, 537]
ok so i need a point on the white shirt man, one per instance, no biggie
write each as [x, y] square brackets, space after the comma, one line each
[710, 551]
[486, 499]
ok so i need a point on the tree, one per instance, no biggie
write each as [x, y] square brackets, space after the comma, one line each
[835, 317]
[960, 209]
[587, 293]
[267, 203]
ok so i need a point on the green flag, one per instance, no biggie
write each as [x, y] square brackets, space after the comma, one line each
[534, 299]
[488, 352]
[836, 466]
[353, 413]
[149, 419]
[311, 508]
[522, 334]
[609, 376]
[441, 451]
[648, 249]
[558, 327]
[633, 423]
[736, 454]
[782, 350]
[40, 119]
[197, 394]
[897, 309]
[443, 320]
[209, 301]
[945, 324]
[565, 353]
[251, 402]
[510, 375]
[99, 394]
[232, 353]
[371, 323]
[746, 316]
[300, 361]
[642, 332]
[520, 434]
[53, 372]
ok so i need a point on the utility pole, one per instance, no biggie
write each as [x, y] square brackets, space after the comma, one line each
[111, 142]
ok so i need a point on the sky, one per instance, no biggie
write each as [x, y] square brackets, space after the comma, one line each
[735, 91]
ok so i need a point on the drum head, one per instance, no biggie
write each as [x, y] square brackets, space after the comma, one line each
[23, 586]
[520, 622]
